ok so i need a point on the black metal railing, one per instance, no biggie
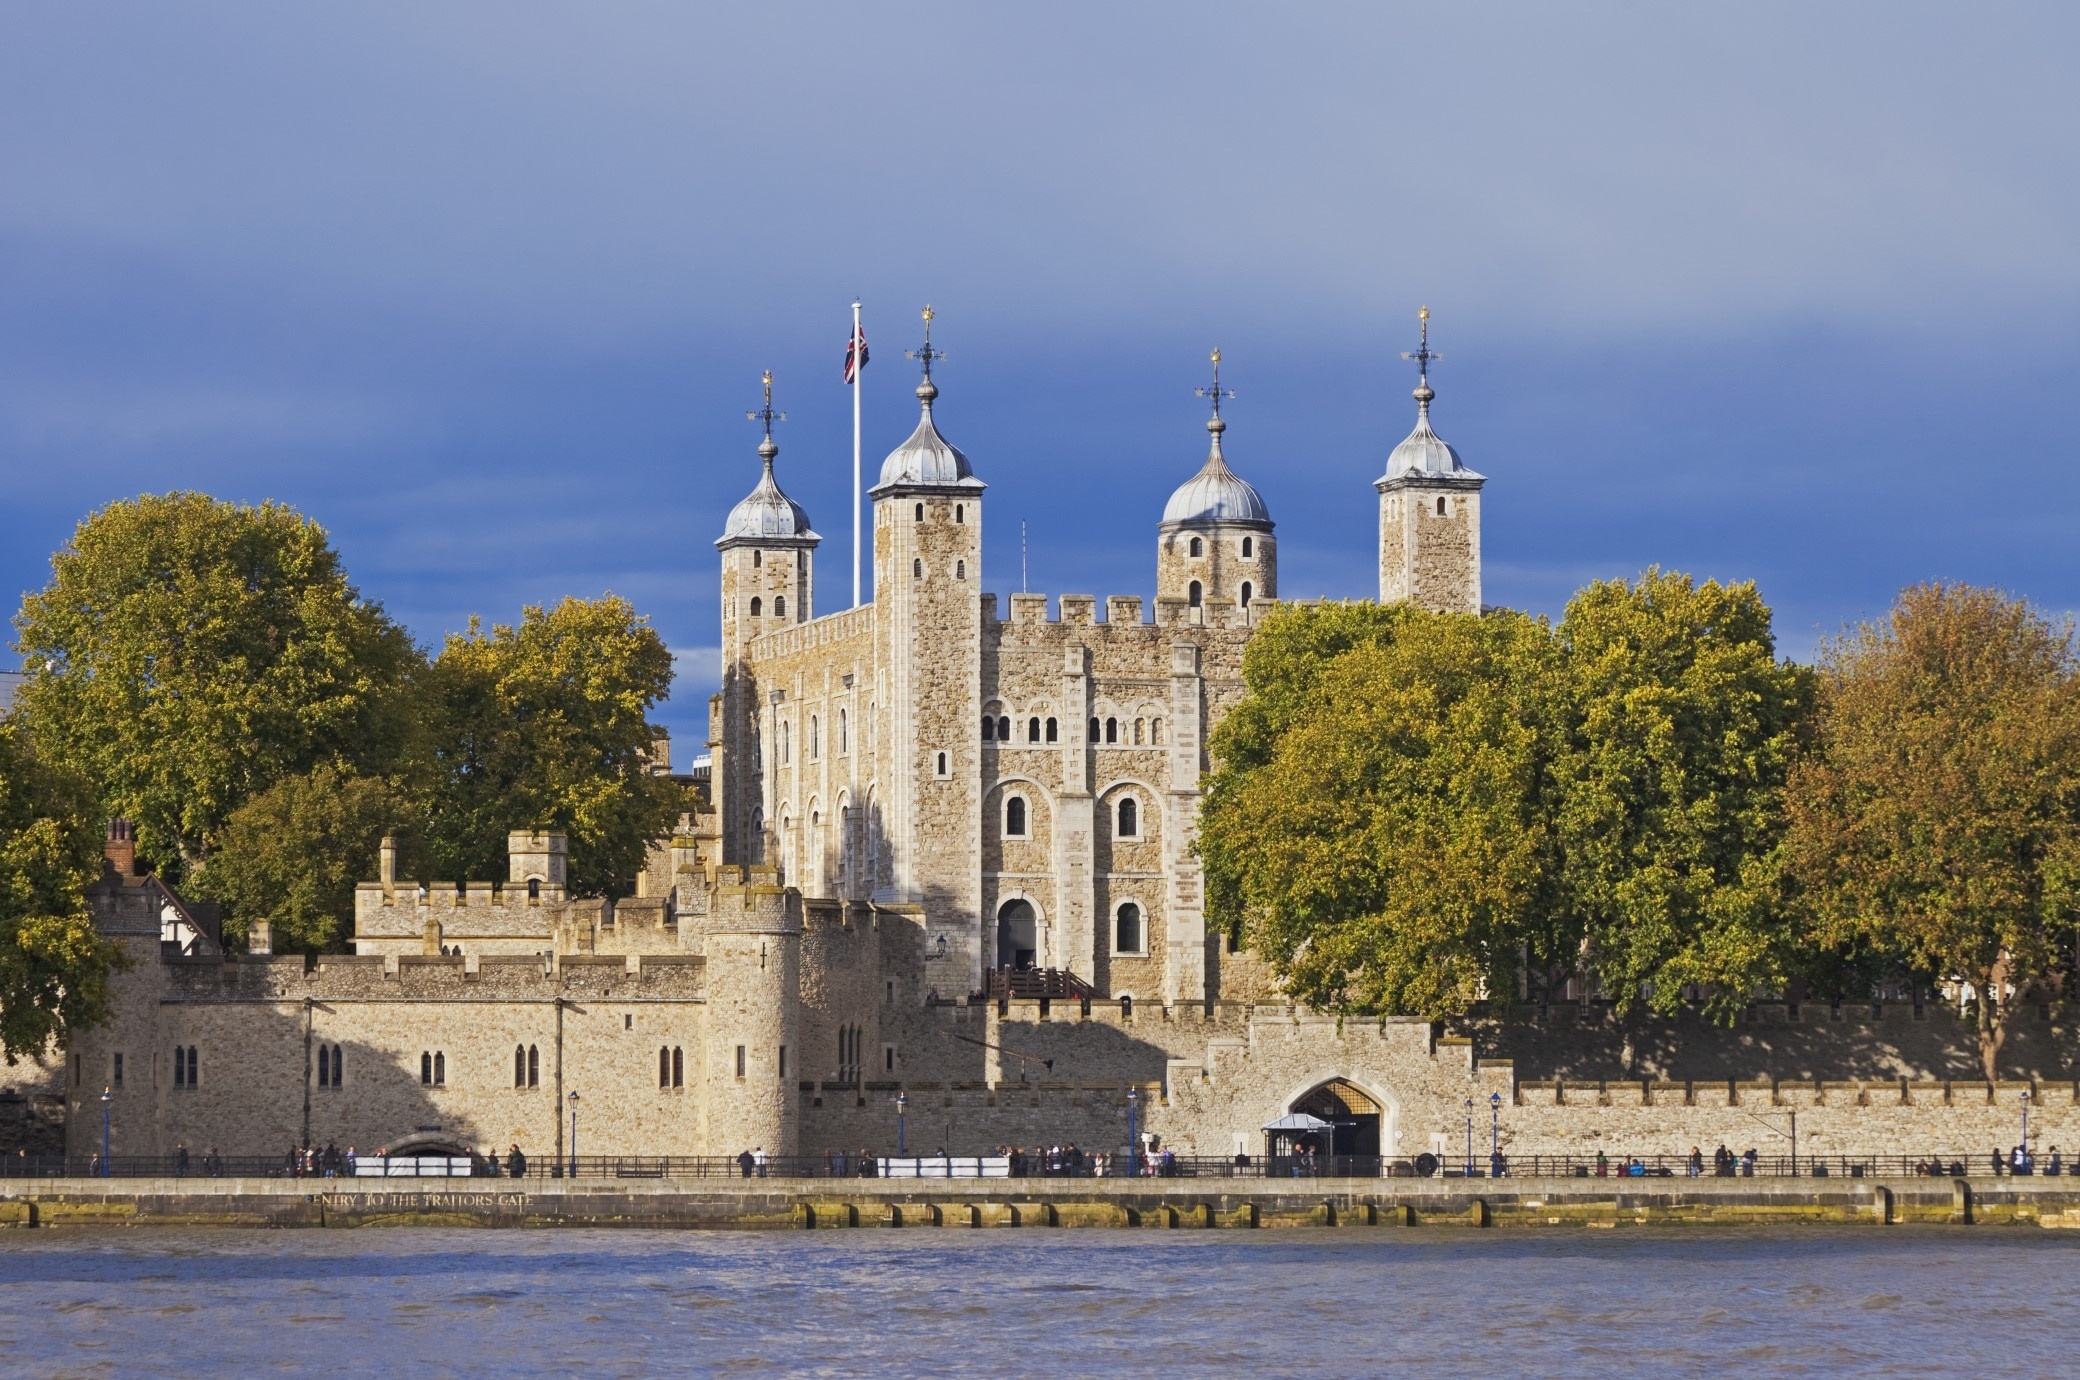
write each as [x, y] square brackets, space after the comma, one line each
[1029, 1164]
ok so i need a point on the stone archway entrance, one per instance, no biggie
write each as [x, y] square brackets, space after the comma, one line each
[1356, 1119]
[1018, 935]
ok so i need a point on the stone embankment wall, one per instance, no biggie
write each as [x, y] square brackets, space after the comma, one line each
[1028, 1203]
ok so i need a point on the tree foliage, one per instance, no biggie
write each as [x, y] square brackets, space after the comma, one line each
[1412, 808]
[293, 854]
[189, 653]
[1678, 728]
[546, 724]
[1939, 818]
[54, 965]
[1387, 840]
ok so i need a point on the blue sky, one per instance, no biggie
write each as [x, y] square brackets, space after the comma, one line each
[1781, 292]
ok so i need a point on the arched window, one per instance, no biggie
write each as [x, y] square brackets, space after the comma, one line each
[1015, 817]
[758, 558]
[338, 1066]
[1245, 593]
[1094, 730]
[1051, 734]
[1129, 818]
[960, 512]
[519, 1066]
[989, 728]
[758, 835]
[960, 570]
[1126, 1004]
[1033, 730]
[784, 744]
[1140, 731]
[1112, 730]
[440, 1068]
[1193, 592]
[917, 570]
[180, 1067]
[534, 1066]
[534, 888]
[664, 1066]
[942, 765]
[1004, 729]
[920, 512]
[1155, 731]
[779, 606]
[1249, 547]
[815, 737]
[757, 606]
[1440, 507]
[425, 1068]
[1126, 930]
[1198, 547]
[324, 1066]
[678, 1066]
[844, 733]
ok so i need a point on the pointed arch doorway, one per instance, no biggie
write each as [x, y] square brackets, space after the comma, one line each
[1357, 1121]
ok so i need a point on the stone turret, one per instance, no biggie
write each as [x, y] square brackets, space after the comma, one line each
[1215, 545]
[768, 582]
[752, 937]
[1429, 513]
[928, 622]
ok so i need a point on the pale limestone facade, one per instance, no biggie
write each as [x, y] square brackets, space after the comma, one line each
[908, 798]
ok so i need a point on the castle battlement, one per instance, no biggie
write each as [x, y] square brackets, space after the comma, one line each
[817, 632]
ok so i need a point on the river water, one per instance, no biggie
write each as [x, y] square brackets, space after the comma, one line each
[1811, 1300]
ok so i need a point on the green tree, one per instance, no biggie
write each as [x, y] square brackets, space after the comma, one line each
[189, 653]
[1677, 726]
[546, 724]
[293, 854]
[1938, 818]
[1376, 820]
[54, 964]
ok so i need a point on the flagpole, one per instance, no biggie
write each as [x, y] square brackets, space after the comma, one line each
[857, 374]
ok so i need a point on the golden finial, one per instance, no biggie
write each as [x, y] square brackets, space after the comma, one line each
[1216, 393]
[928, 316]
[1216, 354]
[927, 354]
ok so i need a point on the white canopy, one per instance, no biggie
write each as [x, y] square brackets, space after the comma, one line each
[1299, 1121]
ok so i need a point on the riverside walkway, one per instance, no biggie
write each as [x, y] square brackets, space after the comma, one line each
[1126, 1203]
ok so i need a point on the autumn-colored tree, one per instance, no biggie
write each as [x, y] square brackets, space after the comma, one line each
[545, 723]
[189, 653]
[1678, 727]
[1938, 817]
[293, 854]
[54, 965]
[1385, 844]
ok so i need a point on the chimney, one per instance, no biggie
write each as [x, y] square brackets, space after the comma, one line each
[121, 847]
[259, 938]
[386, 862]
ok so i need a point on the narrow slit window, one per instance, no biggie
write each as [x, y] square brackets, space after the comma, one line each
[917, 570]
[678, 1066]
[1112, 730]
[740, 1048]
[440, 1069]
[519, 1066]
[425, 1068]
[960, 570]
[920, 513]
[1249, 547]
[534, 1066]
[757, 606]
[1051, 734]
[960, 512]
[1033, 730]
[1245, 593]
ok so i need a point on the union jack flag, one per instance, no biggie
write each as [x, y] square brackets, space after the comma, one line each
[855, 356]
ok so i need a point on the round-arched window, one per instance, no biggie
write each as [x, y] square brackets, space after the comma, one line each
[1015, 817]
[1129, 818]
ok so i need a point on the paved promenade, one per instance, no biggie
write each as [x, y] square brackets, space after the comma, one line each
[1144, 1203]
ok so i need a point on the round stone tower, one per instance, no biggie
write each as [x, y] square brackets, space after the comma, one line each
[753, 1058]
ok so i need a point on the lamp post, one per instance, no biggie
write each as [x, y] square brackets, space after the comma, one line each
[902, 1101]
[574, 1135]
[105, 1166]
[1133, 1142]
[2025, 1125]
[1469, 1137]
[1494, 1132]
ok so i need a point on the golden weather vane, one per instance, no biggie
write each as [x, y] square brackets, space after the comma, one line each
[766, 414]
[1215, 391]
[1423, 354]
[926, 354]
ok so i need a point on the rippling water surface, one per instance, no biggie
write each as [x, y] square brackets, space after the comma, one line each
[94, 1302]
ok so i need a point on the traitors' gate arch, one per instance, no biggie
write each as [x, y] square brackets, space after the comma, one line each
[1363, 1124]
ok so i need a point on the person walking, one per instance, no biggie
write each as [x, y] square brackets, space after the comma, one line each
[1696, 1166]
